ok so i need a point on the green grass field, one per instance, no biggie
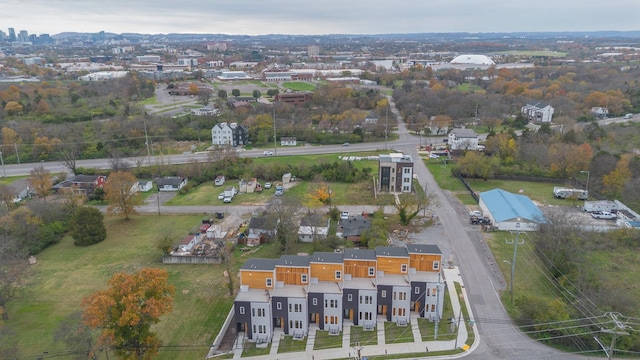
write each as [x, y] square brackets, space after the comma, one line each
[364, 338]
[65, 273]
[325, 341]
[298, 86]
[395, 334]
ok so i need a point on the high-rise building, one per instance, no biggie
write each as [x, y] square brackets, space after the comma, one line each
[12, 34]
[313, 50]
[23, 36]
[3, 36]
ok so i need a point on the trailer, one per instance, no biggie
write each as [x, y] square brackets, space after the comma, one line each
[567, 193]
[600, 205]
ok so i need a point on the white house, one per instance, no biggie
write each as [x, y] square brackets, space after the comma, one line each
[222, 134]
[463, 139]
[288, 141]
[538, 112]
[145, 185]
[313, 227]
[171, 183]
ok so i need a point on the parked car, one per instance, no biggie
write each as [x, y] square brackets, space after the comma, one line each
[346, 144]
[628, 116]
[603, 215]
[221, 196]
[434, 156]
[227, 200]
[475, 213]
[344, 215]
[267, 185]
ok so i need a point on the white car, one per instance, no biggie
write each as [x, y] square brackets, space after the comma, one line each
[434, 156]
[268, 153]
[267, 185]
[344, 215]
[475, 213]
[221, 196]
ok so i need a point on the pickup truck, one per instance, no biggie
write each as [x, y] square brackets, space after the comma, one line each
[603, 215]
[279, 190]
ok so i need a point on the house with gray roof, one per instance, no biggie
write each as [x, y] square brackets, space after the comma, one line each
[171, 183]
[352, 228]
[313, 227]
[463, 139]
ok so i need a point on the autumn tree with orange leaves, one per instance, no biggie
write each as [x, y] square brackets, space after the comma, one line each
[127, 309]
[319, 195]
[119, 192]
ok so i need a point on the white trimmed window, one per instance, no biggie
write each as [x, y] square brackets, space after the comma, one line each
[269, 282]
[372, 271]
[403, 268]
[303, 278]
[338, 275]
[241, 310]
[436, 265]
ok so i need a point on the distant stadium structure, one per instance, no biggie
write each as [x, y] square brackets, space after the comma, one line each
[472, 60]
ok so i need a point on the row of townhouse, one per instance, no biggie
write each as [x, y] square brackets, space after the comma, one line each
[327, 288]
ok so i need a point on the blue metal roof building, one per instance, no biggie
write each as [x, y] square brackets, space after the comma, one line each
[511, 212]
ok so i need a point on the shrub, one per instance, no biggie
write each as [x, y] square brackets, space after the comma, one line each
[87, 226]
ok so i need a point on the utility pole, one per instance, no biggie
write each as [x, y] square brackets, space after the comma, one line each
[275, 145]
[15, 146]
[515, 243]
[386, 128]
[146, 140]
[616, 332]
[4, 171]
[435, 331]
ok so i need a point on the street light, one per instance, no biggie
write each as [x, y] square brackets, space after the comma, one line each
[586, 187]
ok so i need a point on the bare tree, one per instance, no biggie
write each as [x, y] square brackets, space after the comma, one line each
[14, 269]
[286, 211]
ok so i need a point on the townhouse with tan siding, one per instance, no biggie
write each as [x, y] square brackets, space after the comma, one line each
[328, 288]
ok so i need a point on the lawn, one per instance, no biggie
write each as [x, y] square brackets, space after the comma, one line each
[325, 341]
[541, 192]
[65, 273]
[341, 193]
[427, 327]
[288, 344]
[250, 349]
[442, 174]
[298, 86]
[361, 337]
[395, 334]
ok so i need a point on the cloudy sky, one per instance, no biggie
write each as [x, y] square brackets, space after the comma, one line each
[253, 17]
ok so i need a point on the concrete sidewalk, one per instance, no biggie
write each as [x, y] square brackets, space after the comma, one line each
[451, 277]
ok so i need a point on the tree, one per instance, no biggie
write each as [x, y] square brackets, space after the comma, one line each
[319, 194]
[409, 205]
[222, 94]
[442, 122]
[120, 193]
[13, 107]
[87, 226]
[256, 94]
[77, 337]
[286, 213]
[14, 270]
[235, 92]
[194, 89]
[127, 309]
[40, 181]
[204, 96]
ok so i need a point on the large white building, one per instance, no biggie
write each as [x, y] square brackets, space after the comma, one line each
[463, 139]
[538, 112]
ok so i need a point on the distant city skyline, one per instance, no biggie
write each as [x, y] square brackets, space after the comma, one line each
[252, 17]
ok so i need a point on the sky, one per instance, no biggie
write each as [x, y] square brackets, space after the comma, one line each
[317, 17]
